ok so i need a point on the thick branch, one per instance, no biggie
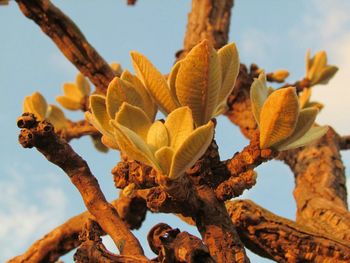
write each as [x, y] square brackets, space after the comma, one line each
[320, 189]
[281, 239]
[344, 142]
[64, 238]
[69, 39]
[41, 135]
[209, 19]
[78, 129]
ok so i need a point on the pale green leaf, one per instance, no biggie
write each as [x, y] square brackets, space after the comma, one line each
[164, 157]
[149, 106]
[191, 149]
[326, 74]
[305, 121]
[39, 105]
[278, 117]
[258, 95]
[312, 135]
[154, 82]
[157, 135]
[179, 124]
[198, 82]
[229, 60]
[133, 146]
[134, 119]
[56, 116]
[68, 103]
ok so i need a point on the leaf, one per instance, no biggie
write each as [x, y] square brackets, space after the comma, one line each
[110, 141]
[304, 97]
[258, 95]
[326, 74]
[100, 116]
[149, 106]
[133, 145]
[82, 85]
[305, 121]
[120, 91]
[312, 135]
[56, 116]
[117, 69]
[38, 105]
[153, 81]
[191, 150]
[229, 60]
[198, 82]
[71, 91]
[157, 135]
[278, 117]
[134, 119]
[179, 124]
[99, 145]
[68, 103]
[164, 157]
[319, 61]
[27, 105]
[172, 80]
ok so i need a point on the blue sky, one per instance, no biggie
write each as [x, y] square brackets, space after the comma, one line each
[37, 196]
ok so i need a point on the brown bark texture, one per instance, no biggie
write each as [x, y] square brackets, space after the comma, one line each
[42, 136]
[70, 40]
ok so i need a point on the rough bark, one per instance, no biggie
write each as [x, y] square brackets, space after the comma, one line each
[283, 240]
[69, 39]
[42, 136]
[208, 19]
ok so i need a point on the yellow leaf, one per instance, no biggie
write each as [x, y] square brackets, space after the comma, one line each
[149, 106]
[164, 157]
[38, 105]
[154, 82]
[312, 135]
[198, 82]
[304, 97]
[56, 116]
[82, 85]
[179, 124]
[278, 117]
[258, 95]
[305, 121]
[27, 105]
[132, 145]
[71, 91]
[134, 119]
[172, 81]
[318, 62]
[157, 135]
[229, 60]
[280, 75]
[191, 150]
[99, 112]
[110, 142]
[117, 69]
[68, 103]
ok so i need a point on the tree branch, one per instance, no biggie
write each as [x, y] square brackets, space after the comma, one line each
[281, 239]
[208, 19]
[344, 142]
[41, 135]
[69, 39]
[76, 130]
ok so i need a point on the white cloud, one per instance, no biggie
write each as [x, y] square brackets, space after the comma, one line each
[331, 31]
[26, 213]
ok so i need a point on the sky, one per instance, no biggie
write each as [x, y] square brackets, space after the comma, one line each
[36, 196]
